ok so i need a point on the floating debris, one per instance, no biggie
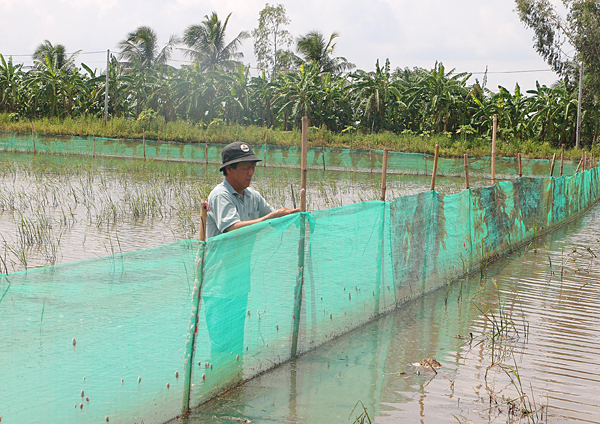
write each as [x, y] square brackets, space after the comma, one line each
[429, 363]
[237, 419]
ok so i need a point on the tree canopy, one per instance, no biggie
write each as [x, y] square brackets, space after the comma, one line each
[206, 44]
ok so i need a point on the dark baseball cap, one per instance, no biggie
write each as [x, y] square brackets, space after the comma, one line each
[237, 152]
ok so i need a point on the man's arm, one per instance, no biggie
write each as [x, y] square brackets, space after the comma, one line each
[275, 214]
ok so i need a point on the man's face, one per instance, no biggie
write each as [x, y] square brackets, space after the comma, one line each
[241, 176]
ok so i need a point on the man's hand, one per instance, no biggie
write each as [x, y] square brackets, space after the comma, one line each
[275, 214]
[281, 212]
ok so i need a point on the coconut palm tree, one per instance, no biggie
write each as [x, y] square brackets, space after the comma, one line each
[141, 46]
[314, 49]
[206, 44]
[59, 50]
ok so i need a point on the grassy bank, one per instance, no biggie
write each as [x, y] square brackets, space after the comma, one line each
[218, 132]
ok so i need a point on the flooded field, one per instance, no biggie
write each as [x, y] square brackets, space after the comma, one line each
[517, 343]
[56, 209]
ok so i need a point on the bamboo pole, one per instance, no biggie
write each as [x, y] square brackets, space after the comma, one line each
[94, 143]
[425, 155]
[323, 151]
[384, 175]
[579, 165]
[552, 166]
[144, 142]
[206, 149]
[494, 129]
[301, 244]
[435, 163]
[520, 165]
[304, 163]
[467, 171]
[370, 156]
[193, 325]
[265, 161]
[203, 215]
[33, 138]
[562, 160]
[584, 161]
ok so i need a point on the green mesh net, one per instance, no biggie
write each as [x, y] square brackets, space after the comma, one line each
[145, 335]
[283, 156]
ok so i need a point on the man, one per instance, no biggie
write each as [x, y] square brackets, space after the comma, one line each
[233, 204]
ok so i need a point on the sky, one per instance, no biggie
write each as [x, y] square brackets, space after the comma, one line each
[467, 35]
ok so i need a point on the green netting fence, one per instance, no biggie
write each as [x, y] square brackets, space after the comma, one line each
[145, 335]
[282, 156]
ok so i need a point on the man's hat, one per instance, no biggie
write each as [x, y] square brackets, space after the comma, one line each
[237, 152]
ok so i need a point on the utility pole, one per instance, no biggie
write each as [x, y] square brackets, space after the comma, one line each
[578, 129]
[106, 86]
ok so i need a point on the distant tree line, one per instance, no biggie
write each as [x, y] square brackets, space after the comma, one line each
[309, 80]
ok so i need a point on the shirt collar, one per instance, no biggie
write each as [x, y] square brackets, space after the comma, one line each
[230, 188]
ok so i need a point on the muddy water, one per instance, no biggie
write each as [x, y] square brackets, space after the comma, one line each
[521, 336]
[60, 209]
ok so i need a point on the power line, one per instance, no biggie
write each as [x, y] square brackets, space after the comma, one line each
[68, 54]
[512, 72]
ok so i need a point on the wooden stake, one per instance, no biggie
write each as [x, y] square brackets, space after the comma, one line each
[552, 166]
[206, 149]
[304, 163]
[370, 156]
[323, 150]
[435, 163]
[494, 129]
[384, 175]
[467, 171]
[579, 165]
[562, 160]
[265, 161]
[203, 214]
[584, 161]
[144, 142]
[94, 142]
[301, 244]
[425, 155]
[33, 138]
[520, 165]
